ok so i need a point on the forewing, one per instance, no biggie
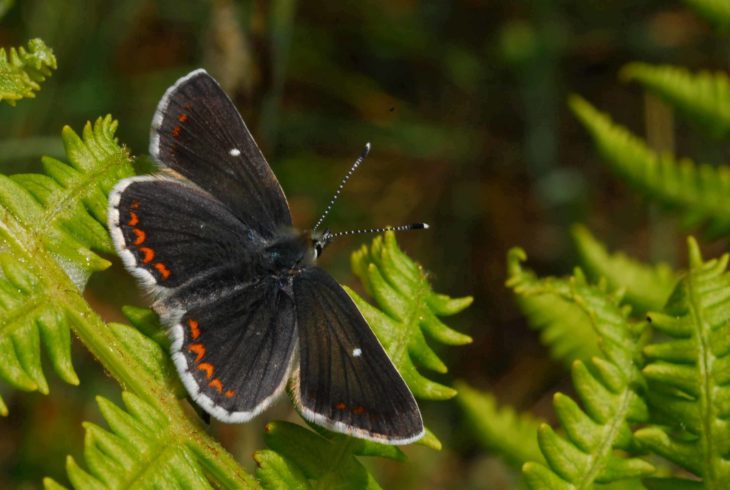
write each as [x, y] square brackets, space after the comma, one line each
[170, 232]
[233, 353]
[346, 381]
[198, 132]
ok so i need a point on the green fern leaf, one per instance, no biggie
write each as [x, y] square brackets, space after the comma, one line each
[716, 11]
[564, 327]
[591, 451]
[141, 451]
[704, 97]
[645, 287]
[688, 374]
[298, 456]
[48, 226]
[22, 70]
[508, 433]
[702, 191]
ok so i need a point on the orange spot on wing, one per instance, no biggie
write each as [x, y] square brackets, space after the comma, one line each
[198, 350]
[194, 330]
[163, 270]
[149, 254]
[133, 219]
[141, 236]
[134, 205]
[358, 410]
[341, 406]
[176, 131]
[216, 383]
[182, 117]
[230, 393]
[207, 367]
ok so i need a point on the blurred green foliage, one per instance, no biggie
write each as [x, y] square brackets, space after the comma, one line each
[464, 103]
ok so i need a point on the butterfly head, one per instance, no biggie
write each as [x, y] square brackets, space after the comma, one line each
[320, 239]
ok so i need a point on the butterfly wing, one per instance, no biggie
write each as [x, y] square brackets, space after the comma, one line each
[198, 132]
[234, 352]
[170, 232]
[232, 326]
[346, 382]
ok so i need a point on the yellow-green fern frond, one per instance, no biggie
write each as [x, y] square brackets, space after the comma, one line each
[645, 287]
[22, 70]
[597, 436]
[704, 97]
[687, 373]
[701, 192]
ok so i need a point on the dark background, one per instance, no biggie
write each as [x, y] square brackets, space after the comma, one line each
[464, 103]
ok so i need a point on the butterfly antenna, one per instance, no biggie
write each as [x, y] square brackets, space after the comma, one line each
[413, 226]
[344, 180]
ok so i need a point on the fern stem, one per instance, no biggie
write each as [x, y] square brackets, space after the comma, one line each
[610, 435]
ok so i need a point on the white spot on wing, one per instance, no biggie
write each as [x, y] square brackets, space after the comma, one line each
[357, 352]
[234, 152]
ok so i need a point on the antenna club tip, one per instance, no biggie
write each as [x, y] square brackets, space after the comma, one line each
[426, 226]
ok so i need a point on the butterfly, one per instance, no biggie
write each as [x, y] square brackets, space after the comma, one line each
[210, 238]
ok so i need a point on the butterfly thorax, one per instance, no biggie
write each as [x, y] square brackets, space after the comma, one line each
[289, 251]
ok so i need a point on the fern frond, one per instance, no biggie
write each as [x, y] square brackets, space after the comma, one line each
[645, 287]
[701, 191]
[595, 436]
[409, 308]
[298, 456]
[688, 374]
[503, 430]
[716, 11]
[564, 327]
[141, 450]
[704, 97]
[22, 70]
[48, 226]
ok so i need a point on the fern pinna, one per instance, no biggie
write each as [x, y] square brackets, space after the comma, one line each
[22, 69]
[50, 223]
[607, 386]
[688, 371]
[646, 286]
